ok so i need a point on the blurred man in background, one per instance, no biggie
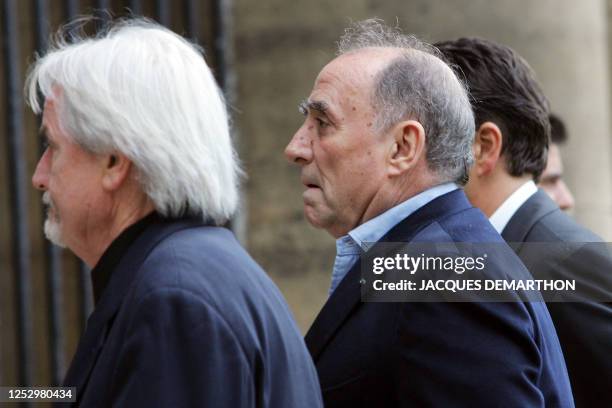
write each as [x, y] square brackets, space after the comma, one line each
[138, 172]
[551, 180]
[510, 147]
[388, 133]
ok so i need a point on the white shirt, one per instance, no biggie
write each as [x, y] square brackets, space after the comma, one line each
[504, 212]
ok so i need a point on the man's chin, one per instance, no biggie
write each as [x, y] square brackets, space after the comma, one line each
[311, 216]
[53, 232]
[315, 217]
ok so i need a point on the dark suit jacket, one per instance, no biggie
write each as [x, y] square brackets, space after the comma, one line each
[188, 319]
[438, 354]
[584, 326]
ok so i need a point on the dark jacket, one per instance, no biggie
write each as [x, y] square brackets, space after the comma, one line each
[583, 320]
[188, 319]
[438, 354]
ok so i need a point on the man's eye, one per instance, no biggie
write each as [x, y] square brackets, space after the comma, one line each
[322, 124]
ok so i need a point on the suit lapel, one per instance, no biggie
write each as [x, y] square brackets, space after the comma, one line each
[338, 307]
[100, 321]
[347, 296]
[536, 207]
[86, 355]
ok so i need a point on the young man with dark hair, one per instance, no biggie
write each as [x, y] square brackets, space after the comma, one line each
[510, 148]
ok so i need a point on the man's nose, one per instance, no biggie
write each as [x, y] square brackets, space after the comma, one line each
[40, 176]
[299, 149]
[566, 199]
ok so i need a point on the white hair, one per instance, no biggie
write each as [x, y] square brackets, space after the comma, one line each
[144, 91]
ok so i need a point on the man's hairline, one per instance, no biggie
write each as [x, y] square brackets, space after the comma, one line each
[401, 52]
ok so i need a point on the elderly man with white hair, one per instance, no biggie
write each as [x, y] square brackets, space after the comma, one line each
[138, 172]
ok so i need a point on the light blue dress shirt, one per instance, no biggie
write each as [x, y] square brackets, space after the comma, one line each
[349, 246]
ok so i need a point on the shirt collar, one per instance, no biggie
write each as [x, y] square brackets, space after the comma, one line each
[504, 212]
[373, 230]
[101, 273]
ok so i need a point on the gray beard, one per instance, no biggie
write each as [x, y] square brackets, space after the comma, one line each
[53, 232]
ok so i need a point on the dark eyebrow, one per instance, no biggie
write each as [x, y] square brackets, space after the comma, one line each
[318, 106]
[43, 133]
[551, 177]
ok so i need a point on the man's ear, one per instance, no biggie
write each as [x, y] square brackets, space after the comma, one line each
[487, 148]
[116, 168]
[408, 146]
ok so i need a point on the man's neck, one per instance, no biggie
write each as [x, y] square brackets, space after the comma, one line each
[397, 191]
[124, 212]
[489, 193]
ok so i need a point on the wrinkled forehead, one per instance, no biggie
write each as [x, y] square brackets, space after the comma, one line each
[52, 102]
[52, 111]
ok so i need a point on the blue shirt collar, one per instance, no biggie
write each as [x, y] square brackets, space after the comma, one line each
[374, 229]
[348, 247]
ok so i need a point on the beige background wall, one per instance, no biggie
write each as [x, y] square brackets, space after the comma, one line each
[281, 46]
